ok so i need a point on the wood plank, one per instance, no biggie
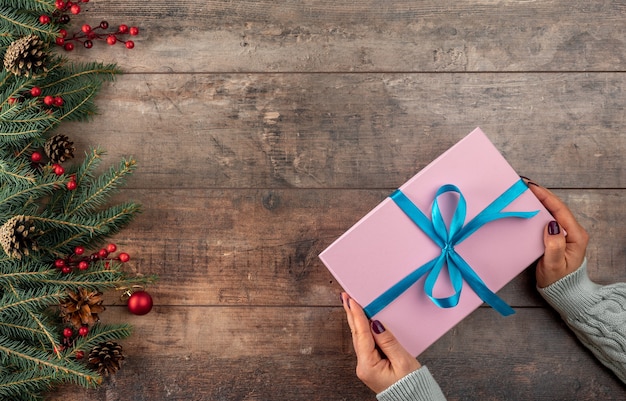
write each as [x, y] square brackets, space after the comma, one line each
[240, 353]
[399, 35]
[236, 247]
[356, 130]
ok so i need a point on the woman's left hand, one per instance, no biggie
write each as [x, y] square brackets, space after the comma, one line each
[378, 371]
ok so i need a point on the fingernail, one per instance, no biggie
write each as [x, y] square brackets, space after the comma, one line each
[553, 228]
[378, 327]
[528, 181]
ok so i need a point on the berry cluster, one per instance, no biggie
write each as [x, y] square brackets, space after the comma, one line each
[35, 92]
[69, 337]
[87, 34]
[36, 160]
[78, 260]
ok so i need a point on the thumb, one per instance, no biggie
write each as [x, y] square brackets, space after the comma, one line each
[388, 344]
[553, 262]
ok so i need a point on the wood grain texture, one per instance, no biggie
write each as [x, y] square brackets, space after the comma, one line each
[236, 353]
[397, 35]
[264, 129]
[230, 247]
[358, 130]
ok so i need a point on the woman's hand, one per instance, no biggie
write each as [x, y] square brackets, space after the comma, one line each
[563, 254]
[379, 367]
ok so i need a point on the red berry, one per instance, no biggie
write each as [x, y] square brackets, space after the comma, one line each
[107, 265]
[104, 24]
[79, 250]
[35, 157]
[83, 331]
[35, 91]
[66, 269]
[69, 47]
[59, 263]
[123, 28]
[111, 248]
[44, 19]
[103, 253]
[86, 28]
[12, 100]
[133, 30]
[68, 332]
[48, 100]
[63, 33]
[75, 9]
[60, 41]
[88, 44]
[71, 185]
[58, 169]
[83, 265]
[58, 101]
[129, 44]
[123, 257]
[80, 354]
[111, 39]
[59, 4]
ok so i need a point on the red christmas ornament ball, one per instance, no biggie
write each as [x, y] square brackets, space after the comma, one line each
[140, 303]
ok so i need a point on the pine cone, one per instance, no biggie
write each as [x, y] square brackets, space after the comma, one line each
[18, 236]
[81, 307]
[26, 56]
[106, 358]
[59, 148]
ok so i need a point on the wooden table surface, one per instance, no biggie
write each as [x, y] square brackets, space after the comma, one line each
[263, 129]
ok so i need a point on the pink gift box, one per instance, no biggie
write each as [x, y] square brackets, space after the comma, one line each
[386, 245]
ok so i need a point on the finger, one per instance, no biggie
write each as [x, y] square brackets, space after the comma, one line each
[559, 211]
[553, 265]
[389, 345]
[554, 242]
[362, 338]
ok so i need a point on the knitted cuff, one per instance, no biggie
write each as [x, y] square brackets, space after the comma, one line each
[573, 293]
[416, 386]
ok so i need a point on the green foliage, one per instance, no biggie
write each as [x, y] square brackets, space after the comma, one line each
[34, 355]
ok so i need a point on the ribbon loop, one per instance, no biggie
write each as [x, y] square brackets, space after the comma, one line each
[447, 238]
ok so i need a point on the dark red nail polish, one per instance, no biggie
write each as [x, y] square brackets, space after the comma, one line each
[528, 181]
[553, 228]
[378, 327]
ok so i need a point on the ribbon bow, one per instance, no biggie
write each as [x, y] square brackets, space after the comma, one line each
[447, 239]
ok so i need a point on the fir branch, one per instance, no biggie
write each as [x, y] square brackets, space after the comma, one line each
[44, 329]
[13, 199]
[15, 174]
[33, 299]
[92, 194]
[64, 234]
[22, 385]
[21, 23]
[40, 6]
[100, 333]
[26, 357]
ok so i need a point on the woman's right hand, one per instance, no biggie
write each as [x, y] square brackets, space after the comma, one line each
[564, 253]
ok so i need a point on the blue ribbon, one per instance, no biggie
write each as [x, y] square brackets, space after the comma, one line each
[447, 239]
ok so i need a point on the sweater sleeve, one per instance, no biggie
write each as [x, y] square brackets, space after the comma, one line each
[416, 386]
[595, 313]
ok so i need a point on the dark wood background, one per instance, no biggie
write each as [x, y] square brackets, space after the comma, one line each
[263, 129]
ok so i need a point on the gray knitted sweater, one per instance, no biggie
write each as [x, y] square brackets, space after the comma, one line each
[595, 313]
